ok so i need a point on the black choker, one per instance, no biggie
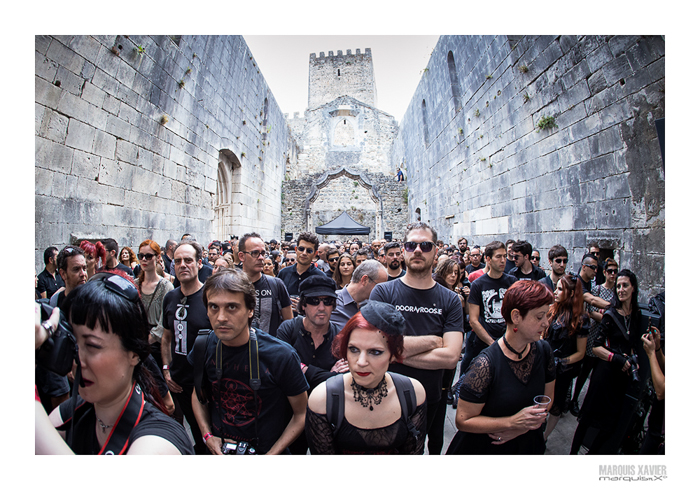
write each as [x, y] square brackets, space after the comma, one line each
[520, 354]
[367, 396]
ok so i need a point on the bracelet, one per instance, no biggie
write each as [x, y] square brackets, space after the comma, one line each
[49, 329]
[657, 350]
[302, 365]
[207, 436]
[166, 367]
[610, 356]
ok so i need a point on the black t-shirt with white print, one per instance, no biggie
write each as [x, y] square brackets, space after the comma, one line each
[266, 309]
[184, 321]
[488, 294]
[433, 311]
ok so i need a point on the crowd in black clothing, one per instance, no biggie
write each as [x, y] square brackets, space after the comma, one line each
[551, 329]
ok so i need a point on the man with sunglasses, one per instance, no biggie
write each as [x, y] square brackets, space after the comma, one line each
[311, 335]
[524, 270]
[433, 314]
[272, 303]
[332, 257]
[558, 258]
[184, 314]
[307, 244]
[589, 267]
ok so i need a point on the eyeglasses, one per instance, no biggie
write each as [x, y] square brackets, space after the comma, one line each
[315, 301]
[561, 261]
[425, 247]
[535, 258]
[334, 259]
[305, 250]
[145, 256]
[592, 267]
[611, 271]
[255, 253]
[595, 253]
[117, 284]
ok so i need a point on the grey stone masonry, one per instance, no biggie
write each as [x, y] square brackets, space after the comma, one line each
[550, 139]
[129, 132]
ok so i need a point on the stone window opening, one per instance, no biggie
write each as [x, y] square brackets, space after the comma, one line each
[338, 71]
[454, 82]
[417, 214]
[425, 124]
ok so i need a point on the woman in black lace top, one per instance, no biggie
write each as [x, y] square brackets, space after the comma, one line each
[496, 413]
[373, 421]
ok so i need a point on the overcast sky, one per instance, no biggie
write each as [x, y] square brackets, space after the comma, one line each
[398, 62]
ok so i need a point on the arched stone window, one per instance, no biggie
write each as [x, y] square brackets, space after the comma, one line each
[227, 193]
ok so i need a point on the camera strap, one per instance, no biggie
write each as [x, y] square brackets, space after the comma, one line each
[118, 439]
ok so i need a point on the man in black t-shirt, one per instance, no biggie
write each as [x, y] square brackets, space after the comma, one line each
[433, 314]
[485, 298]
[112, 260]
[393, 256]
[269, 418]
[558, 258]
[475, 262]
[292, 275]
[184, 315]
[524, 270]
[272, 305]
[49, 281]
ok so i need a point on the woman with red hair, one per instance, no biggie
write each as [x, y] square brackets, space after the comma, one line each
[95, 256]
[496, 413]
[566, 335]
[371, 419]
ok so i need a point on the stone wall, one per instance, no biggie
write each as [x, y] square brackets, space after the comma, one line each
[128, 134]
[483, 163]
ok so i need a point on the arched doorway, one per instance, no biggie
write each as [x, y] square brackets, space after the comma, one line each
[227, 205]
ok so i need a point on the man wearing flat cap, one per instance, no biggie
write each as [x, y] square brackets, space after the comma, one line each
[311, 335]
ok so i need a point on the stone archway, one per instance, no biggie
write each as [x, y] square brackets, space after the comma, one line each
[362, 180]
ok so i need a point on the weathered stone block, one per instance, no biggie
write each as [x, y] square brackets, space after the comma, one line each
[80, 136]
[52, 156]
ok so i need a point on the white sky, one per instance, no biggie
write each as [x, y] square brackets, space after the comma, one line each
[398, 61]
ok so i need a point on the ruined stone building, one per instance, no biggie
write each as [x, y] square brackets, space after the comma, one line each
[551, 139]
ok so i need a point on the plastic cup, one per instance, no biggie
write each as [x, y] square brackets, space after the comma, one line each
[542, 401]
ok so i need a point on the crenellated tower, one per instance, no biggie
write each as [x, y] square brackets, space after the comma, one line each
[341, 74]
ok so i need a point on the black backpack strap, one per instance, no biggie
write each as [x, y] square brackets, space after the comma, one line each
[198, 354]
[335, 402]
[407, 399]
[275, 285]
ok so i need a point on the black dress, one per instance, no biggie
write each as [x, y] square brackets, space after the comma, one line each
[505, 387]
[564, 345]
[606, 405]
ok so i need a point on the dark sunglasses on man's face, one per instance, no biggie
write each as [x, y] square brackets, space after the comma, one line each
[145, 256]
[535, 258]
[425, 247]
[561, 261]
[611, 271]
[334, 259]
[315, 301]
[307, 250]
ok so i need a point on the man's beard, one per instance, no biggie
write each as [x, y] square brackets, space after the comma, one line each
[394, 267]
[418, 268]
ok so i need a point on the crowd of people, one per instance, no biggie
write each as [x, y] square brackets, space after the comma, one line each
[267, 347]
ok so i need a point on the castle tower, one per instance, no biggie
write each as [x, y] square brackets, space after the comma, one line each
[341, 74]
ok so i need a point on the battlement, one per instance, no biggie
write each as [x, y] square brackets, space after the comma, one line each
[339, 54]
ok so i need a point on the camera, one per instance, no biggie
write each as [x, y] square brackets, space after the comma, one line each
[61, 349]
[234, 447]
[634, 367]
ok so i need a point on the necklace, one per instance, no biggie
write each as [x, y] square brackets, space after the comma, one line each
[520, 354]
[367, 396]
[102, 424]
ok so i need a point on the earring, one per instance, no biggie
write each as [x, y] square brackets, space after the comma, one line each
[515, 329]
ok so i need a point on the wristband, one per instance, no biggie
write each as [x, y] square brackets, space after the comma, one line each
[610, 356]
[657, 350]
[207, 436]
[302, 365]
[166, 367]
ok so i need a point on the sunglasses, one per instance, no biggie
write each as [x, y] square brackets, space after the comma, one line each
[561, 261]
[255, 253]
[315, 301]
[306, 250]
[592, 267]
[425, 247]
[535, 258]
[145, 256]
[117, 284]
[334, 259]
[611, 271]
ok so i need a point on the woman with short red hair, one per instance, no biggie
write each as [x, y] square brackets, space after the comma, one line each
[371, 419]
[496, 413]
